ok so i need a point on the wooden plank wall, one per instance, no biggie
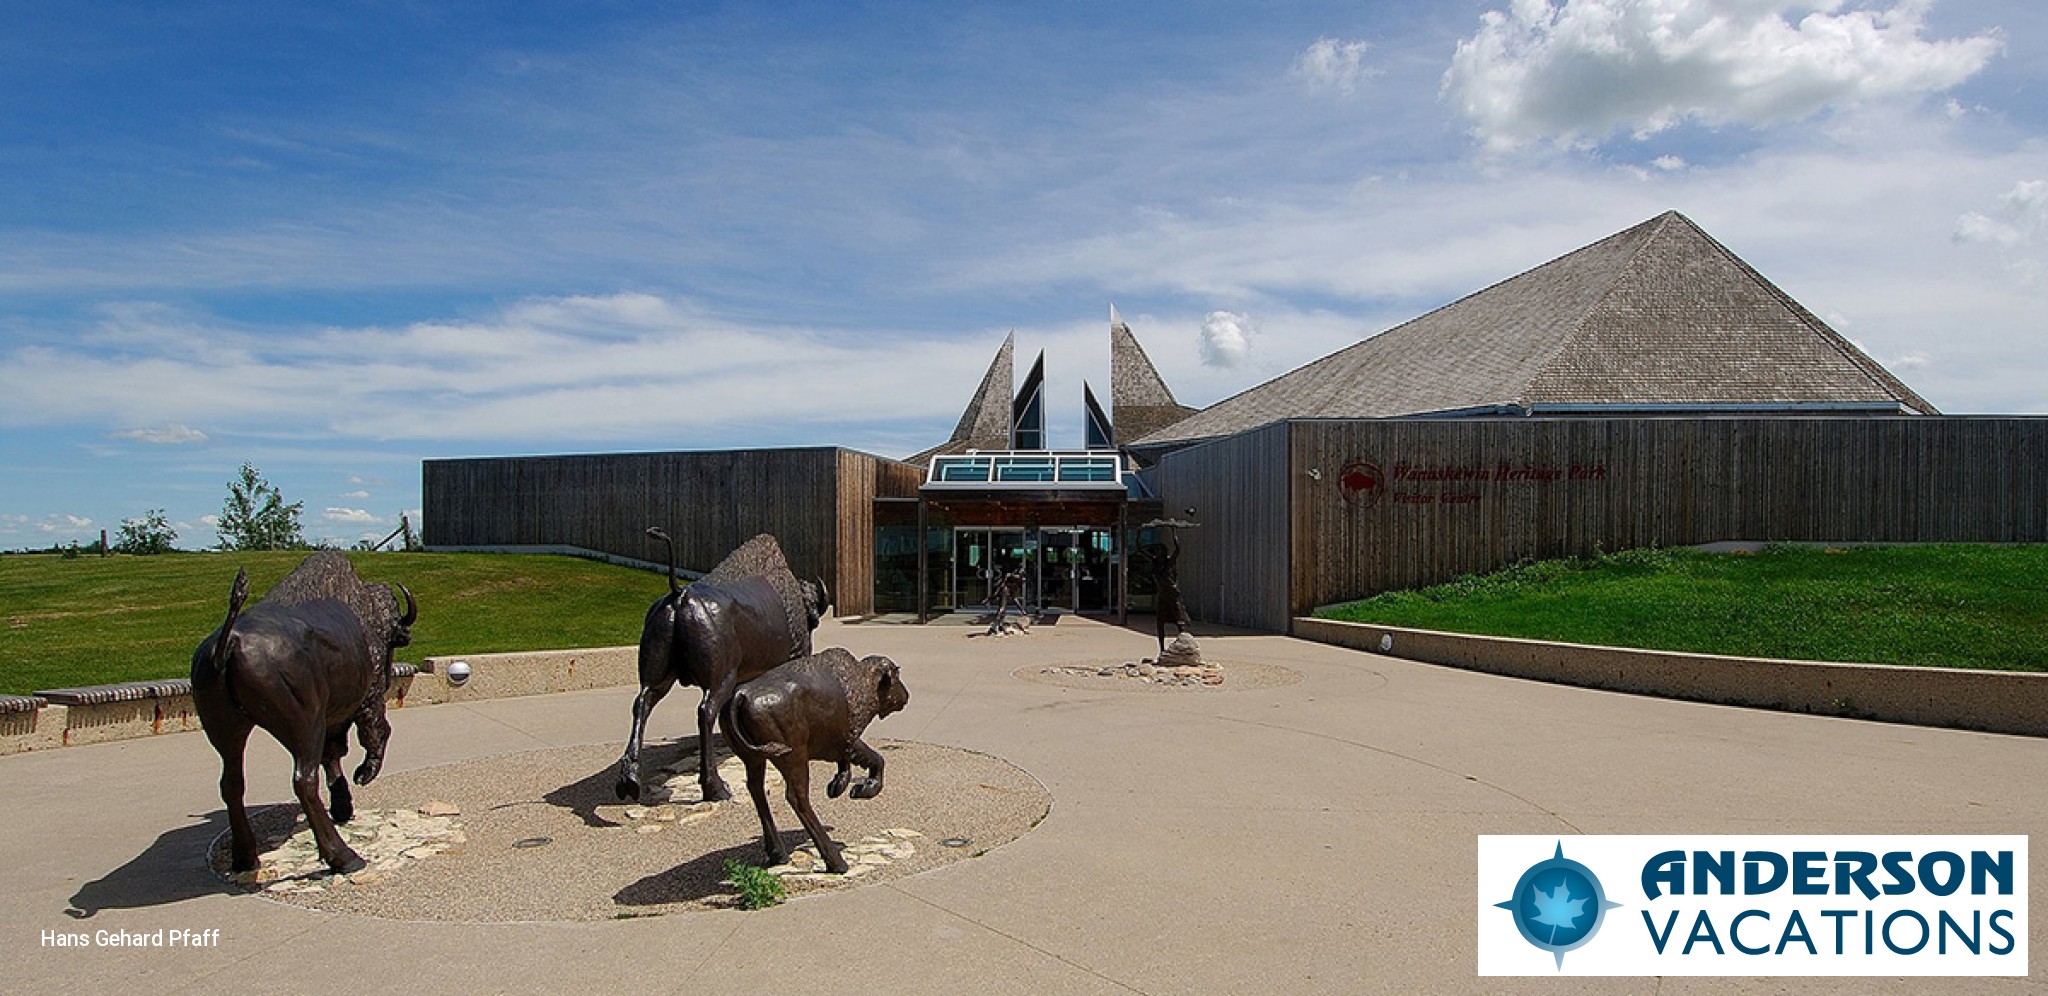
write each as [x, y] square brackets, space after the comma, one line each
[1642, 482]
[817, 501]
[863, 478]
[1234, 569]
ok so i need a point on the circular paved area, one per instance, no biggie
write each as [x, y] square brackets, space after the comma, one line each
[1312, 837]
[541, 835]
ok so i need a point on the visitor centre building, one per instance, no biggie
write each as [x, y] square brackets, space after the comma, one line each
[1648, 389]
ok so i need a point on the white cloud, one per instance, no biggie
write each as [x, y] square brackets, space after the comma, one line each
[2023, 217]
[1669, 164]
[64, 523]
[1226, 339]
[1331, 64]
[355, 516]
[172, 434]
[210, 521]
[1577, 72]
[354, 495]
[591, 369]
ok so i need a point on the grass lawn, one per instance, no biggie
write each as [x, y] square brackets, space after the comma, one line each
[91, 620]
[1937, 605]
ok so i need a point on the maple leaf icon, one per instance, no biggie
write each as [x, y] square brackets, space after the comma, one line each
[1557, 908]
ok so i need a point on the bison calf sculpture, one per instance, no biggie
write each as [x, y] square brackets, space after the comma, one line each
[746, 616]
[306, 663]
[813, 709]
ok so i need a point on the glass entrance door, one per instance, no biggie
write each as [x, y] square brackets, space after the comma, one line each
[979, 558]
[1076, 569]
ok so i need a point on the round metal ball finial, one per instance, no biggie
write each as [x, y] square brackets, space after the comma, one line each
[458, 672]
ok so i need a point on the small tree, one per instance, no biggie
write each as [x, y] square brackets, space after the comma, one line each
[255, 516]
[150, 534]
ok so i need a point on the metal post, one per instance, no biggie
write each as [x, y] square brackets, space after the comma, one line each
[1123, 564]
[923, 599]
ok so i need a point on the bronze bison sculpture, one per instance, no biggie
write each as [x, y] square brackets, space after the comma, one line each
[812, 709]
[746, 616]
[310, 660]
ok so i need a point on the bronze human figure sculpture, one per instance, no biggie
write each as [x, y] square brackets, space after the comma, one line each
[306, 663]
[1009, 588]
[812, 709]
[1168, 606]
[743, 618]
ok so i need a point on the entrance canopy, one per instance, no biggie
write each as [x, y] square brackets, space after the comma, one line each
[1022, 470]
[1062, 517]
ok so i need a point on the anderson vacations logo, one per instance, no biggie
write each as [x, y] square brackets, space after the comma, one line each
[1753, 905]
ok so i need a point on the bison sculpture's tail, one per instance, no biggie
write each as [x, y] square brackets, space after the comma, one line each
[735, 712]
[237, 597]
[674, 586]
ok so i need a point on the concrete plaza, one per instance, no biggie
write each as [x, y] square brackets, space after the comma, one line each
[1313, 837]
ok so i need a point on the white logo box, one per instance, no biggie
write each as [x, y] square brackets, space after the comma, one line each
[1625, 944]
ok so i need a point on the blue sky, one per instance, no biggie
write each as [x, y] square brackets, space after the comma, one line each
[333, 240]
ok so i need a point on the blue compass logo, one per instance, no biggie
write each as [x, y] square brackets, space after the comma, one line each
[1558, 904]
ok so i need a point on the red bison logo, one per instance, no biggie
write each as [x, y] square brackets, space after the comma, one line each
[1362, 483]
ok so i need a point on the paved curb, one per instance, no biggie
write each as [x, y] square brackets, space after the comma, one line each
[1993, 701]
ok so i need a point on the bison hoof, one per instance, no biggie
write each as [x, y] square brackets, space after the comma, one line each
[628, 788]
[343, 810]
[366, 772]
[348, 862]
[836, 865]
[715, 791]
[837, 785]
[867, 788]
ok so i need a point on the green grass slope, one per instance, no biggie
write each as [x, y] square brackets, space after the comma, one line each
[1936, 605]
[91, 620]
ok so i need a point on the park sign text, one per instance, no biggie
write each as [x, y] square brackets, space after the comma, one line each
[1364, 484]
[1690, 904]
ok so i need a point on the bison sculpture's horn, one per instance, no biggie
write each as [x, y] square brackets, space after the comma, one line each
[412, 611]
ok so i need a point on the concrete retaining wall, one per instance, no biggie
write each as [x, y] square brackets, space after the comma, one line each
[1994, 701]
[492, 676]
[540, 672]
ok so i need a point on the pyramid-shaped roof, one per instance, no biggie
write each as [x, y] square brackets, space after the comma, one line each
[1658, 316]
[1139, 400]
[985, 424]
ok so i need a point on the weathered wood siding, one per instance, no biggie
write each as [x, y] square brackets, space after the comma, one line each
[1457, 496]
[818, 502]
[862, 479]
[1234, 569]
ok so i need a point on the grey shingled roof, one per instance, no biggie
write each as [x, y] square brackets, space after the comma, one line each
[985, 424]
[1140, 403]
[1659, 314]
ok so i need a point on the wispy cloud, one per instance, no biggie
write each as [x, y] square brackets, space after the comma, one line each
[2022, 217]
[167, 435]
[1332, 64]
[350, 516]
[587, 368]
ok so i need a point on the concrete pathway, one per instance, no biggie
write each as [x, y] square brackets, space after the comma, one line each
[1317, 837]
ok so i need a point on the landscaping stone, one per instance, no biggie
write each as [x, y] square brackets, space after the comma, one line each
[386, 840]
